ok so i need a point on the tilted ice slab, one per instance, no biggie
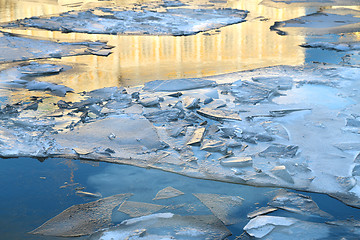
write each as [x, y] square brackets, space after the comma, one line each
[174, 21]
[326, 21]
[299, 129]
[19, 48]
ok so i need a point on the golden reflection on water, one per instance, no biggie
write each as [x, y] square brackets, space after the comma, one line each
[138, 59]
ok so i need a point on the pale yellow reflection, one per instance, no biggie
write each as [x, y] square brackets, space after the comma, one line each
[138, 59]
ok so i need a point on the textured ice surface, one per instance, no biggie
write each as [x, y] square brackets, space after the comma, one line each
[305, 138]
[323, 22]
[166, 226]
[82, 219]
[116, 20]
[18, 48]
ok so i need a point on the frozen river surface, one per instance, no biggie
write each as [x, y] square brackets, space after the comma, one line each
[240, 120]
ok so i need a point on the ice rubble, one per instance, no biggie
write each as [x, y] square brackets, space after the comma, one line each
[339, 20]
[275, 137]
[15, 47]
[117, 20]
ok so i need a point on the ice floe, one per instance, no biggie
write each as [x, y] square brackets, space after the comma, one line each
[117, 20]
[322, 22]
[15, 47]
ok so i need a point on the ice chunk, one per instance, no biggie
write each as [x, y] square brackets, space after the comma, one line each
[167, 226]
[276, 129]
[173, 21]
[163, 115]
[178, 85]
[261, 211]
[297, 203]
[36, 69]
[58, 90]
[211, 145]
[218, 114]
[129, 141]
[262, 225]
[252, 92]
[168, 192]
[277, 82]
[321, 22]
[18, 48]
[138, 209]
[88, 194]
[222, 206]
[149, 102]
[197, 136]
[269, 227]
[190, 102]
[82, 219]
[282, 173]
[332, 46]
[237, 162]
[279, 151]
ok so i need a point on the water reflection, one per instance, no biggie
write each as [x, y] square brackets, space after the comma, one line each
[137, 59]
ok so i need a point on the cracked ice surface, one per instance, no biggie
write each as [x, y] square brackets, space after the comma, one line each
[298, 128]
[19, 48]
[116, 20]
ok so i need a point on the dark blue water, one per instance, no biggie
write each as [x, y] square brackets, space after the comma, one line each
[32, 192]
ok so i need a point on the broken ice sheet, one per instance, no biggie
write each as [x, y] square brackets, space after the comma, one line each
[297, 203]
[222, 206]
[138, 209]
[82, 219]
[166, 226]
[168, 192]
[19, 48]
[324, 22]
[116, 20]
